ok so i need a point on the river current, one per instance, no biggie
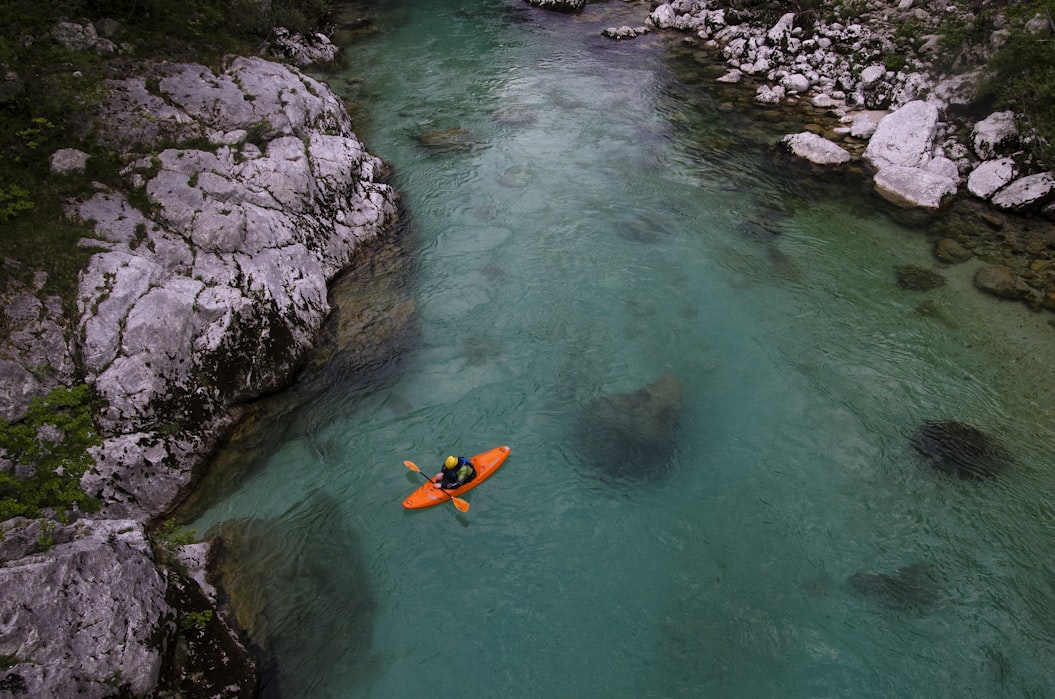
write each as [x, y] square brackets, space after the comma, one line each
[598, 223]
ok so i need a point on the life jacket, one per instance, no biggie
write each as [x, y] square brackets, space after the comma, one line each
[464, 470]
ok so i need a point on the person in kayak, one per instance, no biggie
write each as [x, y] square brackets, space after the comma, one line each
[456, 471]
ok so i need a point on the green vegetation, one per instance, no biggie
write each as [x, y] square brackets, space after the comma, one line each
[195, 620]
[53, 441]
[167, 538]
[1021, 75]
[46, 539]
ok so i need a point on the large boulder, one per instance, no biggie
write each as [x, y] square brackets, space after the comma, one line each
[1001, 281]
[1030, 192]
[816, 149]
[913, 587]
[85, 617]
[905, 137]
[205, 293]
[990, 177]
[912, 187]
[994, 133]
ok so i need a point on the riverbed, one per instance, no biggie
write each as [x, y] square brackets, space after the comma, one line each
[583, 222]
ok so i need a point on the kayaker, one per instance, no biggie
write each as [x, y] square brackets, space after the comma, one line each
[456, 471]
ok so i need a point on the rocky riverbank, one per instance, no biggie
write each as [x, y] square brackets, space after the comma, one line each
[244, 192]
[875, 98]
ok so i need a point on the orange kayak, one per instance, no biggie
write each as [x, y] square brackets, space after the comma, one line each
[485, 464]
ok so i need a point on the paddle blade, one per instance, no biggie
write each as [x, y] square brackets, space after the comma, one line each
[462, 505]
[412, 466]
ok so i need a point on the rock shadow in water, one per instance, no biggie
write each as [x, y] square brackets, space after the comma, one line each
[958, 449]
[913, 587]
[299, 588]
[632, 436]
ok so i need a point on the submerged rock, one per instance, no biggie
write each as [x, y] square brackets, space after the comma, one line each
[918, 278]
[631, 436]
[911, 587]
[959, 449]
[299, 588]
[446, 141]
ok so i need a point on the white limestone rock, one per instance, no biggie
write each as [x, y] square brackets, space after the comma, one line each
[1030, 192]
[905, 137]
[994, 133]
[911, 187]
[816, 149]
[991, 176]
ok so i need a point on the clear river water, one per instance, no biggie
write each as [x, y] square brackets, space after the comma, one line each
[598, 223]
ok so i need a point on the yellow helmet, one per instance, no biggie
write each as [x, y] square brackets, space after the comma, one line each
[451, 462]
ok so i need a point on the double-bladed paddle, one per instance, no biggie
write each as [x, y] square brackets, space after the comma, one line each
[462, 505]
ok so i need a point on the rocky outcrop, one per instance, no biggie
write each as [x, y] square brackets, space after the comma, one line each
[841, 67]
[84, 610]
[208, 284]
[225, 279]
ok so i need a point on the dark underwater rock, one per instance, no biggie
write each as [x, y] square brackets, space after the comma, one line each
[446, 141]
[298, 585]
[632, 436]
[959, 449]
[911, 587]
[916, 278]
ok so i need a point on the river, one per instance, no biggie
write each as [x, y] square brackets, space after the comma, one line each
[598, 223]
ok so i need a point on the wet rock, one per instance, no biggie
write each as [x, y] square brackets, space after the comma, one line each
[959, 449]
[951, 251]
[624, 32]
[918, 278]
[632, 436]
[913, 587]
[1003, 282]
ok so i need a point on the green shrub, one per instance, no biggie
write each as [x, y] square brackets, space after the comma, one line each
[1021, 76]
[58, 464]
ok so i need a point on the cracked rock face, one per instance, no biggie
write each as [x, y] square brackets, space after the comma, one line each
[99, 590]
[211, 296]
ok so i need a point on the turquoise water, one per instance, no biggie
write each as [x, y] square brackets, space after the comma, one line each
[596, 234]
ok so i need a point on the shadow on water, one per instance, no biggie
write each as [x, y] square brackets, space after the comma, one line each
[372, 325]
[299, 588]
